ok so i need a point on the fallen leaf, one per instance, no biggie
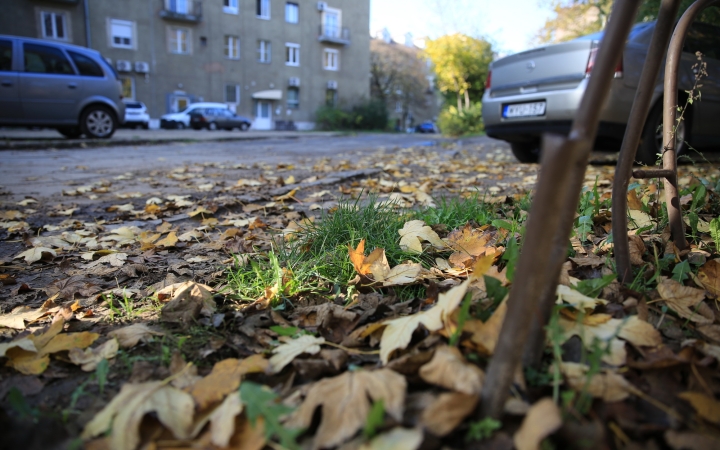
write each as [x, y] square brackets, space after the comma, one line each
[446, 413]
[576, 299]
[396, 439]
[449, 369]
[189, 300]
[466, 243]
[345, 401]
[636, 247]
[414, 232]
[68, 287]
[169, 241]
[398, 332]
[24, 344]
[91, 357]
[173, 407]
[542, 420]
[485, 334]
[222, 420]
[707, 407]
[284, 354]
[225, 378]
[686, 301]
[17, 317]
[608, 385]
[402, 274]
[130, 336]
[709, 276]
[35, 254]
[691, 440]
[639, 219]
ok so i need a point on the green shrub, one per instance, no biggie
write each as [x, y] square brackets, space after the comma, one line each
[329, 118]
[457, 123]
[369, 115]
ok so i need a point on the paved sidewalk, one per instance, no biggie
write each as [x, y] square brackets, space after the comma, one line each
[27, 139]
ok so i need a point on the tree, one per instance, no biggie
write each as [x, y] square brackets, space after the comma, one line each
[574, 18]
[460, 64]
[649, 11]
[398, 75]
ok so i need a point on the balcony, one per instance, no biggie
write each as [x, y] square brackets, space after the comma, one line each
[182, 10]
[334, 34]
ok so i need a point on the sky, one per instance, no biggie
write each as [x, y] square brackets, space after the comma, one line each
[509, 25]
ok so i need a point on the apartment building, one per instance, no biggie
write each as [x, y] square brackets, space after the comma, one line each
[274, 61]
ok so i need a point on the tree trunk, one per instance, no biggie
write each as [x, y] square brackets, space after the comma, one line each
[467, 99]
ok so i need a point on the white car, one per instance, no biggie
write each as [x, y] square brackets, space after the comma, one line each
[181, 119]
[136, 115]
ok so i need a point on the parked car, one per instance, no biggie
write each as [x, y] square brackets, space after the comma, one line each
[62, 86]
[538, 91]
[426, 127]
[181, 119]
[217, 118]
[136, 115]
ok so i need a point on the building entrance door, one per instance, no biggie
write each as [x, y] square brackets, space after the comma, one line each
[263, 115]
[180, 103]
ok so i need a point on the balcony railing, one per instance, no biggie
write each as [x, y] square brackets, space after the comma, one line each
[182, 10]
[334, 34]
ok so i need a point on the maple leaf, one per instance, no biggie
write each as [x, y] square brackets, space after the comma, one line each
[130, 336]
[68, 287]
[449, 369]
[542, 420]
[686, 301]
[467, 243]
[284, 354]
[415, 231]
[398, 332]
[91, 357]
[35, 254]
[345, 401]
[173, 407]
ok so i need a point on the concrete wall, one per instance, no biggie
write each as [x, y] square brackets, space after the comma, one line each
[204, 73]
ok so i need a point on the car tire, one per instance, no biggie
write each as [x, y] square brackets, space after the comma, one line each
[652, 135]
[244, 127]
[146, 126]
[526, 151]
[98, 122]
[212, 126]
[70, 132]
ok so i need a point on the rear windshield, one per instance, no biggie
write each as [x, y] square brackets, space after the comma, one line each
[110, 68]
[85, 65]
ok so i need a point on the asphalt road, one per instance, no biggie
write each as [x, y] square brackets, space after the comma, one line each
[45, 173]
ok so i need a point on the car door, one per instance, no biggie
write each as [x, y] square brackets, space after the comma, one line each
[49, 88]
[10, 107]
[226, 119]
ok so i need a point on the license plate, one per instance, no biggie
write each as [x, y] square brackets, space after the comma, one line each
[524, 109]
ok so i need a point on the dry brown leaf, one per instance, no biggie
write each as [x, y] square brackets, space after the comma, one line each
[686, 301]
[637, 250]
[124, 413]
[17, 317]
[189, 300]
[225, 378]
[485, 334]
[35, 254]
[398, 332]
[23, 344]
[576, 299]
[402, 274]
[466, 243]
[607, 385]
[633, 201]
[542, 420]
[283, 354]
[222, 420]
[396, 439]
[709, 276]
[91, 357]
[443, 415]
[449, 369]
[691, 440]
[707, 407]
[169, 241]
[357, 257]
[639, 219]
[130, 336]
[414, 232]
[712, 332]
[345, 401]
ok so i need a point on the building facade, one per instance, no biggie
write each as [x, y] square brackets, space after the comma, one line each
[271, 60]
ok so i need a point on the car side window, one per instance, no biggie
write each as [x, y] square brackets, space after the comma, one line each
[6, 50]
[46, 59]
[85, 65]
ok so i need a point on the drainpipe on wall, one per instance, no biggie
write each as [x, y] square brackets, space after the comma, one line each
[86, 9]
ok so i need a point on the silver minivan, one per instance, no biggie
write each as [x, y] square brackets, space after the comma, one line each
[67, 87]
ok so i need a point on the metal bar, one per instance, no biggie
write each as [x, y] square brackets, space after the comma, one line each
[631, 140]
[672, 203]
[530, 283]
[648, 173]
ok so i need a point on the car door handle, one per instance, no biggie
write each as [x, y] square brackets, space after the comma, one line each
[6, 83]
[72, 85]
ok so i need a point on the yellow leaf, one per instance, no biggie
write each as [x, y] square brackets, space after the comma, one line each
[541, 421]
[67, 341]
[707, 407]
[169, 241]
[284, 354]
[709, 276]
[449, 369]
[575, 298]
[200, 210]
[225, 378]
[482, 265]
[485, 335]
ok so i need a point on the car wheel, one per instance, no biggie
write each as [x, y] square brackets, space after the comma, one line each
[146, 126]
[526, 152]
[180, 126]
[212, 126]
[98, 122]
[244, 127]
[70, 132]
[651, 142]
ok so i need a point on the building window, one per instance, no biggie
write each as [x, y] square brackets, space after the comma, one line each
[230, 6]
[263, 9]
[332, 22]
[232, 47]
[54, 25]
[292, 54]
[179, 41]
[331, 98]
[128, 87]
[232, 93]
[293, 95]
[292, 12]
[264, 51]
[177, 6]
[331, 59]
[121, 33]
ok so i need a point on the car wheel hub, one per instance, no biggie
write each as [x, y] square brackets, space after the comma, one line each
[99, 123]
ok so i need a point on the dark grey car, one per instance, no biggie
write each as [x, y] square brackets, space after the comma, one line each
[539, 91]
[67, 87]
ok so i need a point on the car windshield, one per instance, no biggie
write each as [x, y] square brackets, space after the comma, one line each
[636, 29]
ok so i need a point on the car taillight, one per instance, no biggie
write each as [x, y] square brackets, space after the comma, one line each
[591, 64]
[488, 80]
